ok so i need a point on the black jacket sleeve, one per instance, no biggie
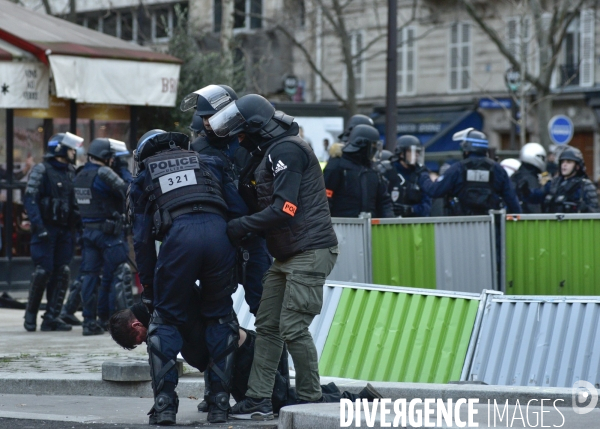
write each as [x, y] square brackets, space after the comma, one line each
[288, 163]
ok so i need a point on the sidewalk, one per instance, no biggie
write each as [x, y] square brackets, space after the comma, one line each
[64, 370]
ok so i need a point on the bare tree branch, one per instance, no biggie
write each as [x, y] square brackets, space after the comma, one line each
[311, 63]
[493, 35]
[47, 7]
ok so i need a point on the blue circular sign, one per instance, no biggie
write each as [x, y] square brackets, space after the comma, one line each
[561, 129]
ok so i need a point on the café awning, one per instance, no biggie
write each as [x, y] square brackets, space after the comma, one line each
[86, 66]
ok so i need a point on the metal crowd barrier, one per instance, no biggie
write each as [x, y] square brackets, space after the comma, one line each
[354, 261]
[544, 341]
[444, 253]
[551, 254]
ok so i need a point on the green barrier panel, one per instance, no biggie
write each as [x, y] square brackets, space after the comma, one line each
[551, 257]
[404, 255]
[397, 336]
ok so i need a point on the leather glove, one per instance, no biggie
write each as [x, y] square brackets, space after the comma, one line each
[147, 296]
[524, 189]
[235, 232]
[40, 231]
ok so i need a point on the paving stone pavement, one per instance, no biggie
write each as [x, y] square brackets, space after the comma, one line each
[55, 353]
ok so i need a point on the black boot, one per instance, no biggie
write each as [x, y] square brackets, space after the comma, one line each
[253, 409]
[30, 321]
[54, 324]
[90, 327]
[52, 321]
[218, 408]
[369, 393]
[203, 406]
[71, 319]
[39, 279]
[165, 408]
[73, 302]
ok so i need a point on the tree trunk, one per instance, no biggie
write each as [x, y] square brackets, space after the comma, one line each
[544, 114]
[72, 11]
[227, 21]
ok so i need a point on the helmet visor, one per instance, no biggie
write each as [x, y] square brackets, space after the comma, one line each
[189, 102]
[71, 141]
[118, 148]
[414, 155]
[227, 120]
[216, 96]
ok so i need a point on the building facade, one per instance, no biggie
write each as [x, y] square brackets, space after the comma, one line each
[448, 68]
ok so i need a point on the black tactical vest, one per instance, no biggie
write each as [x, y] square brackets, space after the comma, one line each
[92, 204]
[358, 192]
[567, 198]
[178, 182]
[477, 195]
[310, 228]
[56, 209]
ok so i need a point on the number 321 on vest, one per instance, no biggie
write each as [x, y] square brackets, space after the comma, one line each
[177, 180]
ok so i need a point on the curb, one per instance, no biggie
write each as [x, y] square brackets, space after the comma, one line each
[193, 385]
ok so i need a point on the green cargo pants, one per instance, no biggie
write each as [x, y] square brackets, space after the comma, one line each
[292, 296]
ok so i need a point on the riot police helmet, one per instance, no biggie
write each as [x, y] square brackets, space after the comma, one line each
[363, 138]
[510, 165]
[119, 148]
[355, 120]
[572, 154]
[410, 149]
[60, 144]
[155, 141]
[472, 141]
[100, 149]
[208, 100]
[534, 154]
[386, 155]
[250, 114]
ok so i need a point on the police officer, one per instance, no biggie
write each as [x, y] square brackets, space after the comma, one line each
[50, 204]
[474, 185]
[209, 100]
[289, 191]
[569, 192]
[184, 199]
[100, 194]
[409, 200]
[353, 122]
[120, 166]
[533, 164]
[352, 185]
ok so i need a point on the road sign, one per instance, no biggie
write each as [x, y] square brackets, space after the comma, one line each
[561, 129]
[290, 84]
[512, 79]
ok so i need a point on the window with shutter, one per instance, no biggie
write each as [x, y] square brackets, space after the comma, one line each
[406, 61]
[586, 50]
[460, 57]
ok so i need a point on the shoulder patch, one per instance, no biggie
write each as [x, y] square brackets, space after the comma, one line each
[289, 208]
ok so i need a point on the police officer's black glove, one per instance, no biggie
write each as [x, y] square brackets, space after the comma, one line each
[406, 211]
[40, 231]
[235, 233]
[148, 297]
[421, 169]
[524, 189]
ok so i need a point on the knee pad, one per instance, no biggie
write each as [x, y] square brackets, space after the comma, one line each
[228, 354]
[160, 365]
[39, 280]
